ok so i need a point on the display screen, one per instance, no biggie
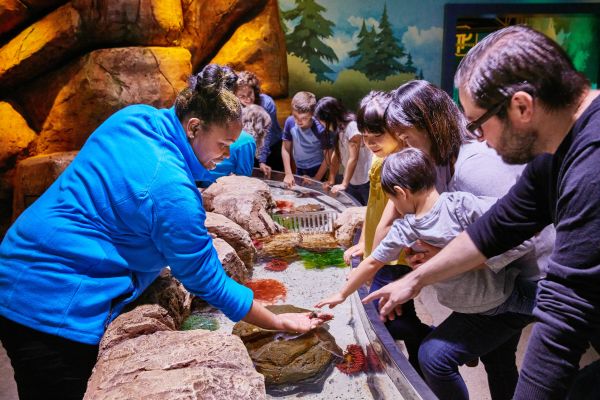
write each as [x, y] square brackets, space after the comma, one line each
[575, 28]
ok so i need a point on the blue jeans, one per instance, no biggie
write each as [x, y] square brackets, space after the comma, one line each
[407, 327]
[521, 300]
[464, 337]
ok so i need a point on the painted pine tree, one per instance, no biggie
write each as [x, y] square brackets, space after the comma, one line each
[365, 51]
[409, 65]
[388, 50]
[305, 40]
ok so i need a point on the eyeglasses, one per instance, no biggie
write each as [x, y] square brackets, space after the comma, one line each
[475, 126]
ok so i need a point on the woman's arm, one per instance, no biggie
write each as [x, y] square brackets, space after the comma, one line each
[291, 322]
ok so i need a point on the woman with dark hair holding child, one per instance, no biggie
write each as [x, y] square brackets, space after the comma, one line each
[425, 117]
[124, 208]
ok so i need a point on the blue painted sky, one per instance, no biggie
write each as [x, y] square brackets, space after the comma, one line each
[417, 24]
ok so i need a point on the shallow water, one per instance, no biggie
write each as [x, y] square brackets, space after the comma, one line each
[305, 287]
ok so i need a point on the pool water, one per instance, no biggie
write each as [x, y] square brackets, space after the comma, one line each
[305, 284]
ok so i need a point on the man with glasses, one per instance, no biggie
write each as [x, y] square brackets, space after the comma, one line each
[529, 103]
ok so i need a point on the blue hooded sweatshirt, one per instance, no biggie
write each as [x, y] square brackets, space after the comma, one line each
[126, 207]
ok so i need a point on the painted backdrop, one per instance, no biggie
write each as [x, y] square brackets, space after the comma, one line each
[345, 48]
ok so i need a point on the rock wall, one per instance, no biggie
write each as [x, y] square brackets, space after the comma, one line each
[65, 66]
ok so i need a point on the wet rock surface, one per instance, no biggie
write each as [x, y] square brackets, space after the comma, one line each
[290, 363]
[246, 201]
[348, 223]
[194, 364]
[234, 235]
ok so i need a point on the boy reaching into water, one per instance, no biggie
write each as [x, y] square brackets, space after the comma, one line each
[408, 178]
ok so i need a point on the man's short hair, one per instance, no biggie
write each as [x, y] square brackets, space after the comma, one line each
[519, 58]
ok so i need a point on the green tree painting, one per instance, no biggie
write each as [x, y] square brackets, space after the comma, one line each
[409, 65]
[387, 50]
[365, 51]
[305, 40]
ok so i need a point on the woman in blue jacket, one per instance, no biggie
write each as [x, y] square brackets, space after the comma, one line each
[126, 207]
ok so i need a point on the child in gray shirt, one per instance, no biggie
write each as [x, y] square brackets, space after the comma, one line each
[408, 177]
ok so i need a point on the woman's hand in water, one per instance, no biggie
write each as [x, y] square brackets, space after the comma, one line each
[301, 322]
[355, 251]
[419, 253]
[332, 301]
[265, 169]
[338, 188]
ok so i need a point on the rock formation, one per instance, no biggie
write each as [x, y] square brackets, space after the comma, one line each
[142, 355]
[234, 235]
[263, 60]
[232, 264]
[65, 66]
[246, 201]
[348, 223]
[289, 361]
[170, 294]
[176, 365]
[34, 175]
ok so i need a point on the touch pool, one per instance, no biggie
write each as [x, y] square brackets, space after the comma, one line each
[384, 373]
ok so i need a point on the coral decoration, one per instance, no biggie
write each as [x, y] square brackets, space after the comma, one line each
[258, 244]
[198, 321]
[267, 291]
[324, 259]
[276, 265]
[284, 205]
[354, 360]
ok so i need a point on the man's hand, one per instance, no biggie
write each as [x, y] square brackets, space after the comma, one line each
[394, 294]
[289, 181]
[265, 169]
[419, 253]
[355, 251]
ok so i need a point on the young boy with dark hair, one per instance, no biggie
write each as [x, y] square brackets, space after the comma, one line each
[305, 139]
[408, 178]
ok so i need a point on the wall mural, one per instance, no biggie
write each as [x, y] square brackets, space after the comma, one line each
[345, 48]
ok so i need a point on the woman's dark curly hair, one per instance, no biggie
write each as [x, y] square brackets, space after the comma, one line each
[209, 97]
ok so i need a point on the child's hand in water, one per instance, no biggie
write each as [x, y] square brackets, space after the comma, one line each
[302, 322]
[332, 301]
